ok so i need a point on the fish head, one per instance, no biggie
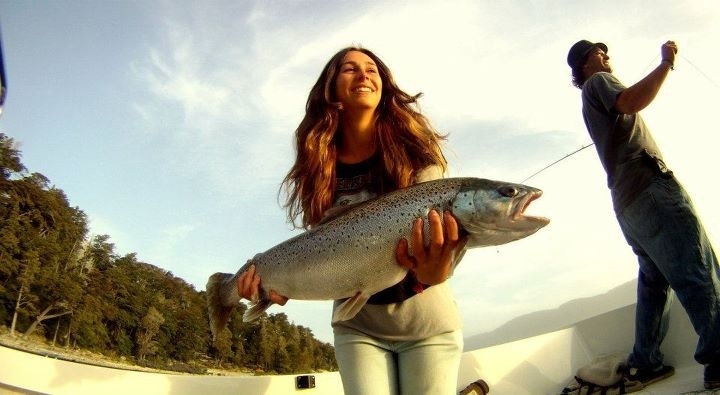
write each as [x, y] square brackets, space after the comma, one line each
[493, 212]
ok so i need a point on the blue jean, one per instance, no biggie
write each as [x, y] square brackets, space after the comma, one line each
[369, 366]
[673, 252]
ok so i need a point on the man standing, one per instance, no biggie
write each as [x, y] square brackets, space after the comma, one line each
[655, 213]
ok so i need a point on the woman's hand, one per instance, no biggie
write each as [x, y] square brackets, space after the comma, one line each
[248, 286]
[432, 263]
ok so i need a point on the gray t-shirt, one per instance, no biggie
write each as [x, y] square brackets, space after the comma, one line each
[624, 144]
[420, 316]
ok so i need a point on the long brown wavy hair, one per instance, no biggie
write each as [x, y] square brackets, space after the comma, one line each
[406, 142]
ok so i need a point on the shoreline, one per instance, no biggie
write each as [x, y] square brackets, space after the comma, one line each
[40, 347]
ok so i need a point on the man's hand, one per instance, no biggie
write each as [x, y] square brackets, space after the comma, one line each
[668, 52]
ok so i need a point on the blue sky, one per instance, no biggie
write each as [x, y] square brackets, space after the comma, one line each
[170, 123]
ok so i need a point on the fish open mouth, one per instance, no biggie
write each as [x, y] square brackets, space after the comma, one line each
[524, 203]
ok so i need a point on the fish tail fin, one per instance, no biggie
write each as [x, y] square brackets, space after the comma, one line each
[256, 309]
[350, 307]
[218, 312]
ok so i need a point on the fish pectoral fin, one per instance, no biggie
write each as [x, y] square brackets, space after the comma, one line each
[256, 310]
[349, 308]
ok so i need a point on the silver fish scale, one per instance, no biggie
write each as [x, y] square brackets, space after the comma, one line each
[355, 251]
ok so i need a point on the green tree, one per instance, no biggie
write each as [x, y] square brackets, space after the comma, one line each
[222, 346]
[52, 231]
[102, 299]
[9, 157]
[57, 282]
[151, 322]
[87, 328]
[24, 298]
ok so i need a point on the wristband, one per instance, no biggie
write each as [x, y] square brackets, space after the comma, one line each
[672, 65]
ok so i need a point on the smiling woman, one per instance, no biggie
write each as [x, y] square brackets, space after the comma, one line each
[363, 137]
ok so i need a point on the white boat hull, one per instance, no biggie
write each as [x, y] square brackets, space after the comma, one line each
[539, 364]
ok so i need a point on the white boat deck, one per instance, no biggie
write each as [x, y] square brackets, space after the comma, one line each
[545, 364]
[542, 364]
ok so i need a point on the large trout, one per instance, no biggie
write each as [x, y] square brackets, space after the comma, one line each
[353, 254]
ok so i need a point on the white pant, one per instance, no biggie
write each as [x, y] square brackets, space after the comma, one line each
[370, 366]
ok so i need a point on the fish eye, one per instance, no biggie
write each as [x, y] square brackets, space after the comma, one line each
[508, 191]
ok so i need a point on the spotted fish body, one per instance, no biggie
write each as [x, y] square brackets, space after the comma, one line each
[353, 254]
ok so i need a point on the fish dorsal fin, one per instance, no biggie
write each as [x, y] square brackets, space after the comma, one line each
[350, 307]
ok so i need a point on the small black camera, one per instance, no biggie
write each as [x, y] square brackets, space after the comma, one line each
[304, 382]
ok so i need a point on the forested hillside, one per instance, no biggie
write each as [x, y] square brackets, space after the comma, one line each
[77, 292]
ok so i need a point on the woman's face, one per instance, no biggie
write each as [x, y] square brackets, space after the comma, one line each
[358, 85]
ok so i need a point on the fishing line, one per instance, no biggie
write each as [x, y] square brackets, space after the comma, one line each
[707, 77]
[647, 68]
[557, 161]
[685, 58]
